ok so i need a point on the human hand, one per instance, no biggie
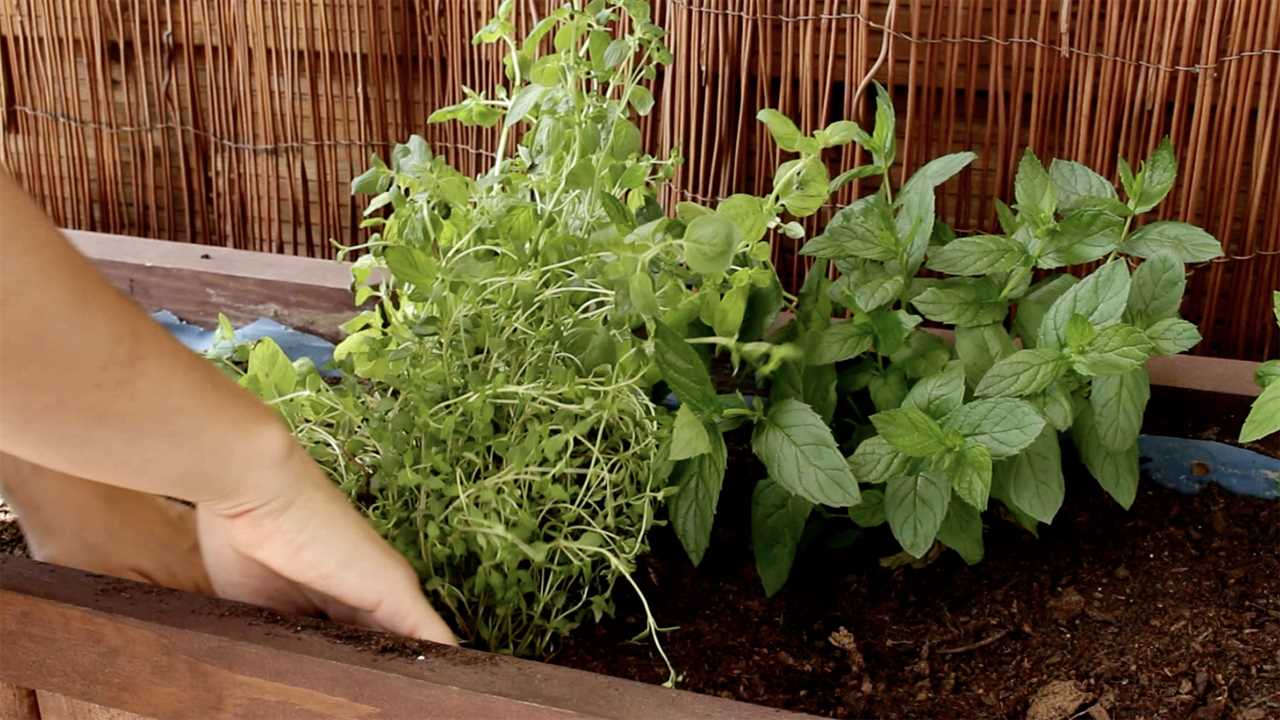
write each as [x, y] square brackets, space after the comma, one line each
[299, 546]
[104, 529]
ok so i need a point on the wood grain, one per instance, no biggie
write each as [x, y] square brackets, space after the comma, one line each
[60, 707]
[17, 703]
[168, 655]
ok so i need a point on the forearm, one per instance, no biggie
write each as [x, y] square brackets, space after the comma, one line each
[91, 386]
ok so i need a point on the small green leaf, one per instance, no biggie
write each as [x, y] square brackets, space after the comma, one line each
[1081, 237]
[870, 512]
[641, 99]
[371, 181]
[844, 178]
[802, 186]
[618, 213]
[1003, 425]
[1186, 242]
[270, 370]
[888, 389]
[962, 531]
[689, 436]
[841, 340]
[864, 229]
[977, 255]
[1118, 403]
[777, 523]
[693, 508]
[840, 132]
[1080, 332]
[874, 286]
[970, 471]
[915, 221]
[912, 432]
[784, 132]
[801, 455]
[1033, 188]
[684, 372]
[748, 213]
[883, 140]
[875, 461]
[937, 171]
[1264, 416]
[710, 242]
[938, 394]
[1033, 306]
[1056, 405]
[1026, 372]
[1173, 335]
[915, 507]
[962, 302]
[1100, 298]
[1074, 183]
[980, 347]
[922, 355]
[640, 288]
[1116, 350]
[1156, 291]
[1034, 477]
[523, 102]
[1267, 373]
[409, 264]
[1154, 180]
[1115, 470]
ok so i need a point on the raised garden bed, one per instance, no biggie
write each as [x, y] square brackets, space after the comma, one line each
[1170, 610]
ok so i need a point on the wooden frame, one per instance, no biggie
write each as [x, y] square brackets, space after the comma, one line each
[87, 646]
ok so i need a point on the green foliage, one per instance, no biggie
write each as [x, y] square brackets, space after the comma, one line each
[1264, 416]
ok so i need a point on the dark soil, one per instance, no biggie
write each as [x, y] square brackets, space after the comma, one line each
[1170, 610]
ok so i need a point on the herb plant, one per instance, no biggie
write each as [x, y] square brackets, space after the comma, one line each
[1264, 416]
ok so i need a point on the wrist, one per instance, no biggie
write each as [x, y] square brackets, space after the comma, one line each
[267, 468]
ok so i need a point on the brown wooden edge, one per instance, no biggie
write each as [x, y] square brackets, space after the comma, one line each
[167, 654]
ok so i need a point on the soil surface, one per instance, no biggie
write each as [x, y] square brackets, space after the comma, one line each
[1170, 610]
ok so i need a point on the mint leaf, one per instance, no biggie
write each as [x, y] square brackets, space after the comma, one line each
[1056, 405]
[801, 455]
[1156, 291]
[844, 178]
[1032, 187]
[1033, 307]
[1117, 349]
[1118, 402]
[1115, 470]
[870, 512]
[689, 436]
[875, 461]
[693, 508]
[710, 242]
[1034, 477]
[888, 389]
[874, 286]
[865, 229]
[1081, 237]
[962, 302]
[777, 523]
[980, 347]
[970, 472]
[1186, 242]
[937, 171]
[922, 355]
[1264, 416]
[912, 432]
[683, 370]
[1026, 372]
[1080, 332]
[841, 340]
[1074, 183]
[915, 223]
[840, 132]
[977, 255]
[938, 394]
[523, 102]
[1155, 179]
[1267, 373]
[1100, 298]
[884, 148]
[1004, 425]
[1173, 335]
[915, 508]
[784, 132]
[962, 531]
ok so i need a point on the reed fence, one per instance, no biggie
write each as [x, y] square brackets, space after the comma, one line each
[240, 123]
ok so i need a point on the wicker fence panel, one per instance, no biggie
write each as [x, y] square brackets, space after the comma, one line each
[241, 123]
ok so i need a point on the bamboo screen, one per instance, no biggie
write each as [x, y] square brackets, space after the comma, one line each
[240, 123]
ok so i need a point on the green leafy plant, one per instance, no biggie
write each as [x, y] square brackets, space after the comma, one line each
[1264, 416]
[932, 432]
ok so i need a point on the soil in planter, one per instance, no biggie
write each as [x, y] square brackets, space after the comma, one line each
[1170, 610]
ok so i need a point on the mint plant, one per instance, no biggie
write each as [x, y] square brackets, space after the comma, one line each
[1264, 416]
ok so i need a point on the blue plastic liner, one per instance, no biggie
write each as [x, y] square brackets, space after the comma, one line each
[1181, 464]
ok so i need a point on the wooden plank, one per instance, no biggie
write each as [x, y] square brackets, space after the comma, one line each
[17, 703]
[172, 655]
[196, 282]
[60, 707]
